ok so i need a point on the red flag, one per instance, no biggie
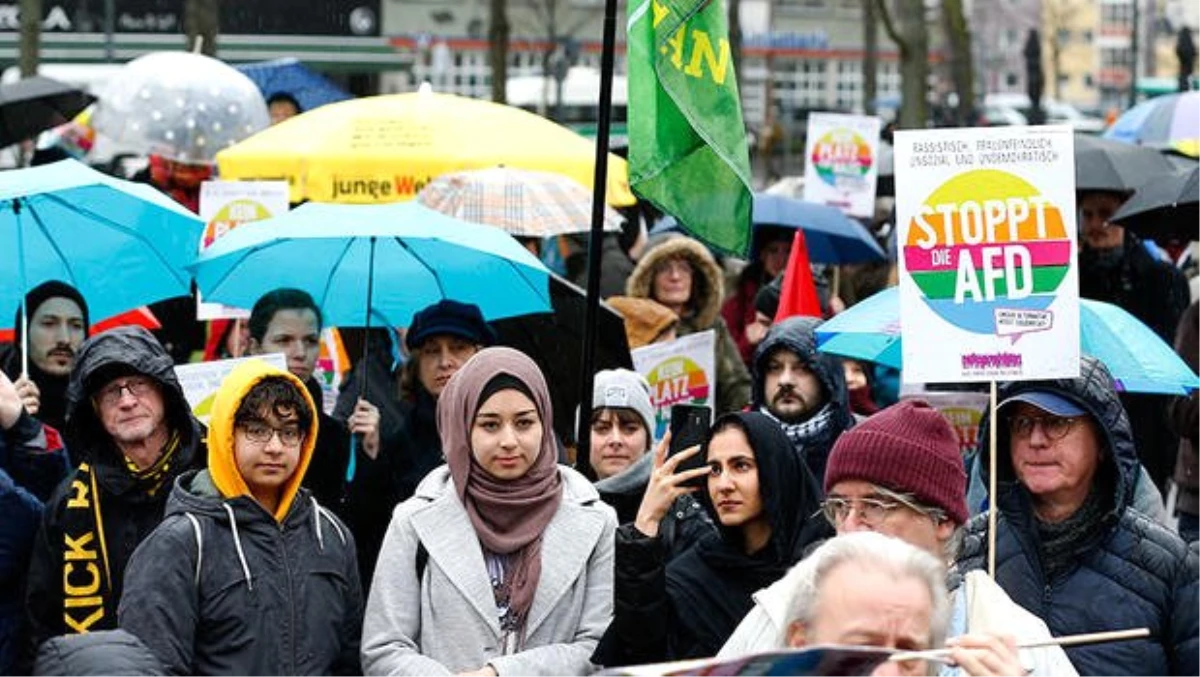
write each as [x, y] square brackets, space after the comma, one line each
[799, 294]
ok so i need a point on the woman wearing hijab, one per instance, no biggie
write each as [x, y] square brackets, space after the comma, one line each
[763, 499]
[502, 561]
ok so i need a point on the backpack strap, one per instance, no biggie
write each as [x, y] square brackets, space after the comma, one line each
[199, 545]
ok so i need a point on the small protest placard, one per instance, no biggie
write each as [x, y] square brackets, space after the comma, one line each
[682, 371]
[989, 286]
[224, 205]
[201, 380]
[841, 162]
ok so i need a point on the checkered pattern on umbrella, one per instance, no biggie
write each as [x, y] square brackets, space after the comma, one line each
[524, 203]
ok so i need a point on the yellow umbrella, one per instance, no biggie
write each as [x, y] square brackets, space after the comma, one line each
[386, 148]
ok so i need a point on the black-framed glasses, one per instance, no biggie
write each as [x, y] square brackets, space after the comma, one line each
[259, 432]
[111, 394]
[1053, 427]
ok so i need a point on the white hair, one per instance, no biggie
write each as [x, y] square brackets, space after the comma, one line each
[874, 552]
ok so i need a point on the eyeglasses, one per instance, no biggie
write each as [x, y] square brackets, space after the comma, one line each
[1053, 427]
[871, 511]
[261, 433]
[111, 394]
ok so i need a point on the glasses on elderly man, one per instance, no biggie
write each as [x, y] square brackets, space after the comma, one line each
[872, 511]
[111, 394]
[1053, 427]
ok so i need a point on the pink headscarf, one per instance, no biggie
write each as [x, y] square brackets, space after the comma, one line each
[509, 516]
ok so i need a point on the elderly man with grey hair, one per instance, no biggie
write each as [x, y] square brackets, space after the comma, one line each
[867, 589]
[900, 473]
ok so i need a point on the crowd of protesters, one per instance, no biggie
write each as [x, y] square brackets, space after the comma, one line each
[138, 541]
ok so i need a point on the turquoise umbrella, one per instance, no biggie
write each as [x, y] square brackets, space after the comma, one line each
[392, 258]
[1138, 359]
[121, 244]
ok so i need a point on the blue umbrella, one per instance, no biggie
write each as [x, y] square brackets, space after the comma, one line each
[1139, 360]
[121, 244]
[831, 236]
[289, 76]
[393, 258]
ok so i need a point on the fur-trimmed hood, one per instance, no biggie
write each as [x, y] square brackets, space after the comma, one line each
[708, 284]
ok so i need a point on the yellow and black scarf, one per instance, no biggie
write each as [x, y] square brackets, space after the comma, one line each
[88, 600]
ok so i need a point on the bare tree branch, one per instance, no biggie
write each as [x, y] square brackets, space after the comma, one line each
[890, 28]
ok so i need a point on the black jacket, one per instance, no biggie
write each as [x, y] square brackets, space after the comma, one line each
[326, 476]
[798, 335]
[1134, 573]
[1156, 293]
[253, 598]
[106, 652]
[129, 512]
[689, 606]
[684, 525]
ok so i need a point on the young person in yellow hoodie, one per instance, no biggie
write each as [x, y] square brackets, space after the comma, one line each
[248, 574]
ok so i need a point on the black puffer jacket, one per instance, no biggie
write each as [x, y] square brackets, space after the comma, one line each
[259, 598]
[798, 335]
[129, 511]
[1133, 573]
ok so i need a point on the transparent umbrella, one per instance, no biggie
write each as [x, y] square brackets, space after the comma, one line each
[180, 105]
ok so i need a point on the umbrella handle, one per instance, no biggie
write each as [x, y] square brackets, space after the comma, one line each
[352, 463]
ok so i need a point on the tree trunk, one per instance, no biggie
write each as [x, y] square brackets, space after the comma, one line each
[498, 30]
[200, 24]
[734, 11]
[870, 62]
[914, 60]
[962, 68]
[31, 36]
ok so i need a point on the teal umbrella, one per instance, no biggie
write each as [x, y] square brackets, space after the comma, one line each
[121, 244]
[1138, 359]
[394, 259]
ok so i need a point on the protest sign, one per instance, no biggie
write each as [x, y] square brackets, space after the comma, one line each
[841, 162]
[224, 205]
[682, 371]
[989, 286]
[964, 411]
[201, 380]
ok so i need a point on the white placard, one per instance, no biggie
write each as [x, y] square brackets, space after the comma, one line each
[202, 380]
[987, 241]
[224, 205]
[841, 162]
[682, 371]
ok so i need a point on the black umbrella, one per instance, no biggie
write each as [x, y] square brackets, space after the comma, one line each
[33, 105]
[1103, 164]
[1165, 207]
[555, 341]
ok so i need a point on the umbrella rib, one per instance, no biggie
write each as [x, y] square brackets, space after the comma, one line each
[436, 278]
[124, 229]
[61, 256]
[333, 272]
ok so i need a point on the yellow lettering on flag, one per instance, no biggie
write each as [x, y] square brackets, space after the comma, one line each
[702, 49]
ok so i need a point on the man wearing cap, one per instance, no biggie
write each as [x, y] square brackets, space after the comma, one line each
[441, 338]
[622, 434]
[802, 389]
[1070, 545]
[128, 420]
[57, 323]
[900, 473]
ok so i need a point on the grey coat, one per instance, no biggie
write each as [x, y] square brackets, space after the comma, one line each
[257, 597]
[446, 622]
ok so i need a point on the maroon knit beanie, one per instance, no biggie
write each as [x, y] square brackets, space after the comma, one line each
[908, 448]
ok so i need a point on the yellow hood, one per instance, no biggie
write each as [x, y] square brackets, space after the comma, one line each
[221, 463]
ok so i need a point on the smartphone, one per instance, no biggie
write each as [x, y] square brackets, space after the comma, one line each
[689, 427]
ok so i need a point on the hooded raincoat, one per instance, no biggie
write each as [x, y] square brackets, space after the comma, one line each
[1126, 571]
[224, 587]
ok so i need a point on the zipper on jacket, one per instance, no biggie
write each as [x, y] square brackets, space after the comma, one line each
[287, 568]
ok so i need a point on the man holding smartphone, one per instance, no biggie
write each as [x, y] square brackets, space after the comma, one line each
[802, 390]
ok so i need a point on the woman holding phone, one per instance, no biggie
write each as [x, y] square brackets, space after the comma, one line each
[761, 496]
[502, 561]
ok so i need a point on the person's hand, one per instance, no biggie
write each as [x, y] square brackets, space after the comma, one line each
[665, 486]
[836, 305]
[986, 654]
[365, 421]
[31, 397]
[10, 402]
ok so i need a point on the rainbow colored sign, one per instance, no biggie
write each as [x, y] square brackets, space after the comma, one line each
[989, 289]
[841, 162]
[679, 372]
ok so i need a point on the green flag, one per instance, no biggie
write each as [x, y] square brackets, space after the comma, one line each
[687, 142]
